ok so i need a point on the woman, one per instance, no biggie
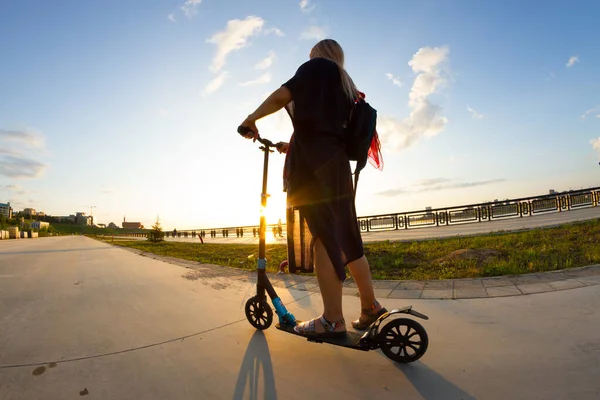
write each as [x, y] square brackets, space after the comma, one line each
[318, 182]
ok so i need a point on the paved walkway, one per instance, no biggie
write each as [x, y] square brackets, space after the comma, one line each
[83, 319]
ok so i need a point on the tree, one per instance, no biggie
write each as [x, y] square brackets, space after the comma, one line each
[156, 234]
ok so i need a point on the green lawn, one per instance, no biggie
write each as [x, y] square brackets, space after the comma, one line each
[545, 249]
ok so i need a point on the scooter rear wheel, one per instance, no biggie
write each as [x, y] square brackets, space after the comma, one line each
[403, 340]
[259, 313]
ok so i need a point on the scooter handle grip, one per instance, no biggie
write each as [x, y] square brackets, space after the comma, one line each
[243, 130]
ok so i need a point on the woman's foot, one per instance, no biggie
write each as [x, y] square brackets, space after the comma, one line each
[320, 327]
[368, 316]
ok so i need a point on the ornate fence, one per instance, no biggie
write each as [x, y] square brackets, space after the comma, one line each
[473, 213]
[483, 212]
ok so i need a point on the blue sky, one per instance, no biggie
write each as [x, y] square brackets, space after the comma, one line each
[132, 107]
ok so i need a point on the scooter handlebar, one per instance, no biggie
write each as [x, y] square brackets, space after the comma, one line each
[244, 130]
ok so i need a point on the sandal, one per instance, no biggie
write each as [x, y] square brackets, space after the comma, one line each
[308, 329]
[371, 316]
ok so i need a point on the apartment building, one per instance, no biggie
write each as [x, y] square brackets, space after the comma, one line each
[6, 210]
[29, 212]
[82, 219]
[39, 225]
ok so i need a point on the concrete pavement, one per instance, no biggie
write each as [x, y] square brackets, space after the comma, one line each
[81, 318]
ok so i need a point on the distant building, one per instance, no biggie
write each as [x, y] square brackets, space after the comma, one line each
[70, 218]
[6, 210]
[29, 212]
[132, 225]
[112, 225]
[82, 219]
[39, 225]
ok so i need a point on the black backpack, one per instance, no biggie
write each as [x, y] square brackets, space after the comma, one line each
[360, 131]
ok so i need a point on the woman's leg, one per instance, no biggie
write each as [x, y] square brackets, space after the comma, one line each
[361, 273]
[331, 291]
[329, 283]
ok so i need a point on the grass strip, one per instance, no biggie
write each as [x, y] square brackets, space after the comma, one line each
[512, 253]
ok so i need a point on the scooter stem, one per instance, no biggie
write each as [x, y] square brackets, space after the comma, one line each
[263, 202]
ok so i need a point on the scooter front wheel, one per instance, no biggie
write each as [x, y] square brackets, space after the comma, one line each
[403, 340]
[259, 313]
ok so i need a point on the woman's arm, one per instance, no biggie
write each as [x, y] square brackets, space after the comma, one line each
[275, 102]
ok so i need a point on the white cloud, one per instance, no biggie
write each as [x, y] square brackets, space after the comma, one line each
[313, 32]
[20, 166]
[27, 137]
[216, 83]
[266, 62]
[306, 7]
[264, 78]
[596, 145]
[474, 114]
[17, 189]
[234, 37]
[106, 189]
[572, 61]
[172, 17]
[395, 80]
[274, 31]
[437, 184]
[425, 118]
[190, 7]
[595, 110]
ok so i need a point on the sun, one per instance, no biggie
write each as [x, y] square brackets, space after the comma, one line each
[275, 210]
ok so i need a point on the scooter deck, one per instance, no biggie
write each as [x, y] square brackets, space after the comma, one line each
[350, 340]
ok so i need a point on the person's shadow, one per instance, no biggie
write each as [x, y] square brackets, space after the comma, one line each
[430, 384]
[257, 358]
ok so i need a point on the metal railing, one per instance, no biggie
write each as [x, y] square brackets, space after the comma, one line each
[482, 212]
[446, 216]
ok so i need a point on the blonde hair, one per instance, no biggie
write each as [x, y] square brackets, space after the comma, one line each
[331, 50]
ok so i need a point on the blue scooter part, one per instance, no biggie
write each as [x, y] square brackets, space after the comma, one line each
[285, 317]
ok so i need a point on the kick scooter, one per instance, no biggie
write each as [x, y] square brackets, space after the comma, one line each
[403, 340]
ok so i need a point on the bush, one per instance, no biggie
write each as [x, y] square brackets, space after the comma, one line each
[156, 234]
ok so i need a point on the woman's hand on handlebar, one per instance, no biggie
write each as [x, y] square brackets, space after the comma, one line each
[250, 124]
[283, 148]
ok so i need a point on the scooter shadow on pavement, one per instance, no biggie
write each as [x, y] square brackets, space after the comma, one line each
[257, 358]
[430, 384]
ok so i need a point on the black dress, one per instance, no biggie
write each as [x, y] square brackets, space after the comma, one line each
[317, 174]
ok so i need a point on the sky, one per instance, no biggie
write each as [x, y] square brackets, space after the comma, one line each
[129, 109]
